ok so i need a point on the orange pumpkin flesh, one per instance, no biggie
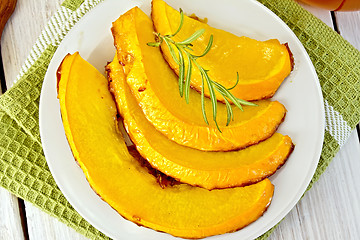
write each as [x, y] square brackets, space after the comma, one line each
[155, 88]
[262, 66]
[89, 117]
[205, 169]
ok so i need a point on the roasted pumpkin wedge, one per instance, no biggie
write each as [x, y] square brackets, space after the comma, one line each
[89, 116]
[155, 88]
[262, 65]
[205, 169]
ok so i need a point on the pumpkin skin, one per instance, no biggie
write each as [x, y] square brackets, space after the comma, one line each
[205, 169]
[90, 123]
[155, 87]
[262, 65]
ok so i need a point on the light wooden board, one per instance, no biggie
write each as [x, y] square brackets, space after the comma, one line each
[348, 27]
[328, 211]
[21, 32]
[19, 36]
[42, 226]
[10, 221]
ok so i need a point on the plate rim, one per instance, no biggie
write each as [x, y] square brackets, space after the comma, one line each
[280, 215]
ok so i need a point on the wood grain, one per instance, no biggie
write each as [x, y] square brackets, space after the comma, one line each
[43, 226]
[19, 36]
[21, 32]
[10, 221]
[330, 210]
[6, 9]
[349, 26]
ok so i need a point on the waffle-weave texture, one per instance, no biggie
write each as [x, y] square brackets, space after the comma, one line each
[23, 168]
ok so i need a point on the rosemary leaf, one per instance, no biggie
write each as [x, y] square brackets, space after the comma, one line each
[180, 25]
[172, 51]
[181, 72]
[229, 95]
[243, 102]
[203, 101]
[192, 38]
[187, 47]
[237, 81]
[229, 112]
[212, 95]
[187, 79]
[235, 101]
[207, 49]
[154, 44]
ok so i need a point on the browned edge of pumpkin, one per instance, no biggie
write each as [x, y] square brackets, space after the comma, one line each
[291, 55]
[58, 74]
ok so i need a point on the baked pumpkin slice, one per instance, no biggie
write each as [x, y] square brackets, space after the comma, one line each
[155, 87]
[205, 169]
[262, 65]
[89, 117]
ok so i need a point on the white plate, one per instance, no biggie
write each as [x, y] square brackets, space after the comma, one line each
[300, 93]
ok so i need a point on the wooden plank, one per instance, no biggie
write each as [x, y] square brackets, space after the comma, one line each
[43, 226]
[10, 220]
[330, 210]
[18, 38]
[21, 32]
[349, 26]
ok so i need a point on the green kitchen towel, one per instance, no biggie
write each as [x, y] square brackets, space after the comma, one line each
[23, 168]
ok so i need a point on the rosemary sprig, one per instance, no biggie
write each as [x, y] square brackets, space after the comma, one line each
[185, 48]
